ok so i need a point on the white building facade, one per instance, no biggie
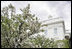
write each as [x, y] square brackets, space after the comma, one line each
[55, 28]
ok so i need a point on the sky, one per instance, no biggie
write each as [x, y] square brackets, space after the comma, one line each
[43, 9]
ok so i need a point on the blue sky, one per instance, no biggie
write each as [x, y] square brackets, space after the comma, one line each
[42, 9]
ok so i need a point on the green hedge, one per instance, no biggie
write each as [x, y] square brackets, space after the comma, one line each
[66, 43]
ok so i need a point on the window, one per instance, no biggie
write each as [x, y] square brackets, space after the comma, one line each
[45, 31]
[55, 30]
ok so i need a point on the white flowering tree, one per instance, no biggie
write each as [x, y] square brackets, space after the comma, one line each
[40, 41]
[16, 28]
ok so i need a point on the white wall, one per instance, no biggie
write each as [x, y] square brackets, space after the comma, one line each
[60, 32]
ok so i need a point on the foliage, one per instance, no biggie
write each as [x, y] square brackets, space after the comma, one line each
[40, 42]
[15, 28]
[64, 43]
